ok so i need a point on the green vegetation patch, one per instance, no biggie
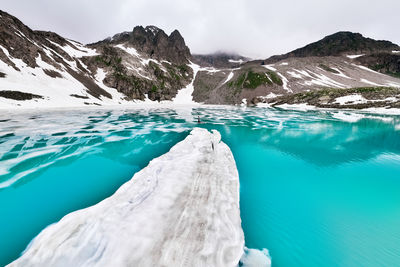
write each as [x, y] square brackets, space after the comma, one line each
[327, 68]
[252, 80]
[275, 78]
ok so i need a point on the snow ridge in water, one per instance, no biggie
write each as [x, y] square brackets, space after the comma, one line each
[181, 210]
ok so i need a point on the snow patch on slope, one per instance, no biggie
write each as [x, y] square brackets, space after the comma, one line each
[184, 96]
[354, 56]
[285, 83]
[230, 76]
[341, 74]
[369, 82]
[351, 99]
[365, 68]
[56, 92]
[129, 50]
[181, 210]
[270, 67]
[239, 61]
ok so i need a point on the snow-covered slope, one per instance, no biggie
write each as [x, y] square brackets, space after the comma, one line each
[43, 69]
[255, 79]
[181, 210]
[54, 86]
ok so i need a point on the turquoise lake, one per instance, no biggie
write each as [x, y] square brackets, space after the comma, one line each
[316, 190]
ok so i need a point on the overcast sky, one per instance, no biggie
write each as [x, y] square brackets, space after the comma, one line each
[254, 28]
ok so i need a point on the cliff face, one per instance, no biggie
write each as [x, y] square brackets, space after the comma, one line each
[154, 43]
[144, 62]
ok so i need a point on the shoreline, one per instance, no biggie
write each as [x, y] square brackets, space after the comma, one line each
[166, 105]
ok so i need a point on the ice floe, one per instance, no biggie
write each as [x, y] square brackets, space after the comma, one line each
[181, 210]
[256, 258]
[348, 117]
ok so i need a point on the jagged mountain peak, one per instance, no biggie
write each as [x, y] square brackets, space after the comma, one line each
[153, 29]
[153, 42]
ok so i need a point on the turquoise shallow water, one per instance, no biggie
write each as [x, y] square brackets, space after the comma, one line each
[315, 190]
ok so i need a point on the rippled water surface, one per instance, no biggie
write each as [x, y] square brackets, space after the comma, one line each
[315, 190]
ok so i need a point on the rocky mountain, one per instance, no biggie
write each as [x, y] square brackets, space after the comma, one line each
[339, 44]
[43, 69]
[342, 60]
[39, 67]
[153, 42]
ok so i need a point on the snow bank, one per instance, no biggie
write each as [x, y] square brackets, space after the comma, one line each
[181, 210]
[301, 107]
[351, 99]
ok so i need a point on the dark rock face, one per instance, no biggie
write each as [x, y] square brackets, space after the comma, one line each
[219, 60]
[16, 95]
[383, 62]
[155, 43]
[339, 44]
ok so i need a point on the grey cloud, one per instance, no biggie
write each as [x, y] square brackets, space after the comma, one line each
[257, 28]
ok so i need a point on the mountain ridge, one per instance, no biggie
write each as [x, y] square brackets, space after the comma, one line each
[146, 64]
[339, 44]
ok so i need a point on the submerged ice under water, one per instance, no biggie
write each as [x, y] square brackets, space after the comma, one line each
[317, 188]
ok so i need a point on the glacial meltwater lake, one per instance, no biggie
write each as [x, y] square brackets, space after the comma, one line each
[317, 188]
